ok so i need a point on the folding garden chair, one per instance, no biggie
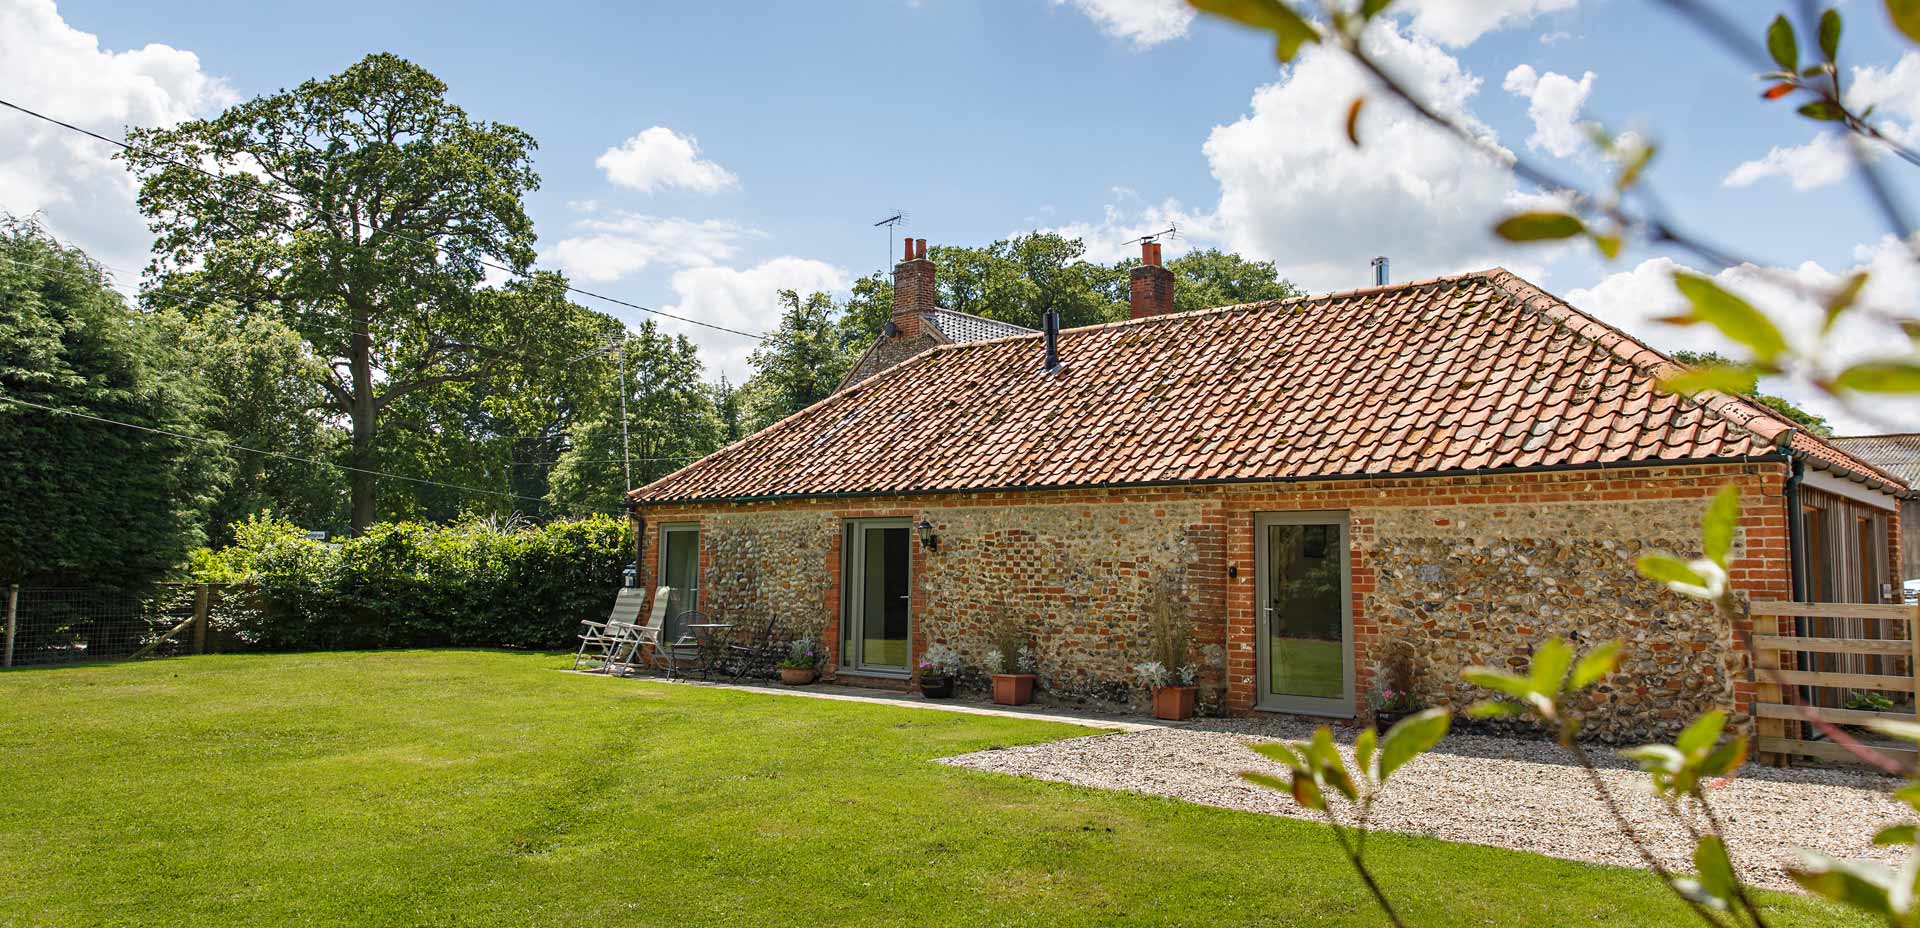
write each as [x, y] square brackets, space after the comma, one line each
[600, 642]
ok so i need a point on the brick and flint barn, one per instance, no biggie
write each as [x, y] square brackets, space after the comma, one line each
[1455, 468]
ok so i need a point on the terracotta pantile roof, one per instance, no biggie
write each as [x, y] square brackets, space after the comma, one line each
[1898, 455]
[1457, 374]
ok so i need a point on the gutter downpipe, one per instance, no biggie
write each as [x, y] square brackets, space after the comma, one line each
[1797, 556]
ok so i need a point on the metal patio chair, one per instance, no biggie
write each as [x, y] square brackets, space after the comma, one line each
[759, 655]
[600, 641]
[701, 644]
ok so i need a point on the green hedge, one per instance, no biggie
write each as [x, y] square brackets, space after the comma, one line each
[410, 585]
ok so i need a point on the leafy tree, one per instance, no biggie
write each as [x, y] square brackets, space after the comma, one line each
[1785, 407]
[359, 210]
[89, 503]
[266, 379]
[727, 406]
[671, 422]
[1212, 277]
[800, 364]
[1019, 280]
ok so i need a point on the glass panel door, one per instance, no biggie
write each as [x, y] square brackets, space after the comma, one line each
[1304, 630]
[680, 573]
[878, 628]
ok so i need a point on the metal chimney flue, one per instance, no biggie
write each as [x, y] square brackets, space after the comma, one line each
[1050, 327]
[1380, 271]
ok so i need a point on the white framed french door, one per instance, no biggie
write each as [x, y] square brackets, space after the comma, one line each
[1303, 613]
[679, 573]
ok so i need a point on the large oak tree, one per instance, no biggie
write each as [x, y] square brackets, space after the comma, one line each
[361, 210]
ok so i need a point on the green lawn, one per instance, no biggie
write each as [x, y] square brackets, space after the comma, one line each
[479, 788]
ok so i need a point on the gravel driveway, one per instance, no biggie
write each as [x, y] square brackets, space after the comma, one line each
[1503, 792]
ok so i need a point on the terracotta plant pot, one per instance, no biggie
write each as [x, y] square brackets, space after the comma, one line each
[797, 676]
[1174, 703]
[1013, 689]
[936, 687]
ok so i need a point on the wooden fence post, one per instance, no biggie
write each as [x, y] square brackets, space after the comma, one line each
[13, 616]
[1913, 669]
[201, 602]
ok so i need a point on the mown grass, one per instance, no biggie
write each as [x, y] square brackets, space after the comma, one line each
[480, 788]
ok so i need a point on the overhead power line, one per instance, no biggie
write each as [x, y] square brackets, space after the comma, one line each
[294, 201]
[322, 326]
[294, 457]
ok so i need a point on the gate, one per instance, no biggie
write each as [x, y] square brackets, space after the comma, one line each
[1847, 647]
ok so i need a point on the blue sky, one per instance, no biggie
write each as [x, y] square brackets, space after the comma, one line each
[1105, 118]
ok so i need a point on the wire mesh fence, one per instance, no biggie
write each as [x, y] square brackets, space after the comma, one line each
[71, 625]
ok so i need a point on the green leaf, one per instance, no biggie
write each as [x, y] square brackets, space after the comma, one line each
[1717, 527]
[1371, 8]
[1906, 731]
[1731, 379]
[1497, 680]
[1880, 377]
[1662, 758]
[1859, 884]
[1822, 110]
[1906, 17]
[1842, 299]
[1830, 34]
[1733, 316]
[1290, 30]
[1328, 768]
[1607, 243]
[1661, 567]
[1496, 708]
[1363, 750]
[1411, 737]
[1725, 759]
[1279, 751]
[1595, 665]
[1635, 166]
[1783, 45]
[1895, 834]
[1710, 861]
[1550, 663]
[1699, 737]
[1534, 227]
[1909, 794]
[1267, 780]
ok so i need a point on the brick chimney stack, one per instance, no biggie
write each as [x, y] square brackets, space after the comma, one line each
[913, 288]
[1150, 291]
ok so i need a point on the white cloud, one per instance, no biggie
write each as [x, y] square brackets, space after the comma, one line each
[1554, 102]
[49, 66]
[661, 159]
[1461, 22]
[1110, 239]
[621, 243]
[1293, 190]
[1551, 39]
[1634, 300]
[1145, 23]
[744, 299]
[1825, 159]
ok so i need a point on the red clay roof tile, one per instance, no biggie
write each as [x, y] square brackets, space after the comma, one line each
[1473, 372]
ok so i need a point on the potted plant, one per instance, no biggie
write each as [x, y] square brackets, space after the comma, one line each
[1392, 696]
[801, 664]
[938, 668]
[1174, 693]
[1168, 676]
[1012, 663]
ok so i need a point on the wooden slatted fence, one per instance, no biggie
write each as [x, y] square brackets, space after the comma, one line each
[1778, 636]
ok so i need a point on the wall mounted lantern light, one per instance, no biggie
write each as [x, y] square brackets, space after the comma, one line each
[928, 539]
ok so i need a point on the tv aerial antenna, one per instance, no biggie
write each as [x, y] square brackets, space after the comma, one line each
[898, 218]
[1171, 232]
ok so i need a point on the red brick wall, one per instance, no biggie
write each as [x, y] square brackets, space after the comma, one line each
[1086, 556]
